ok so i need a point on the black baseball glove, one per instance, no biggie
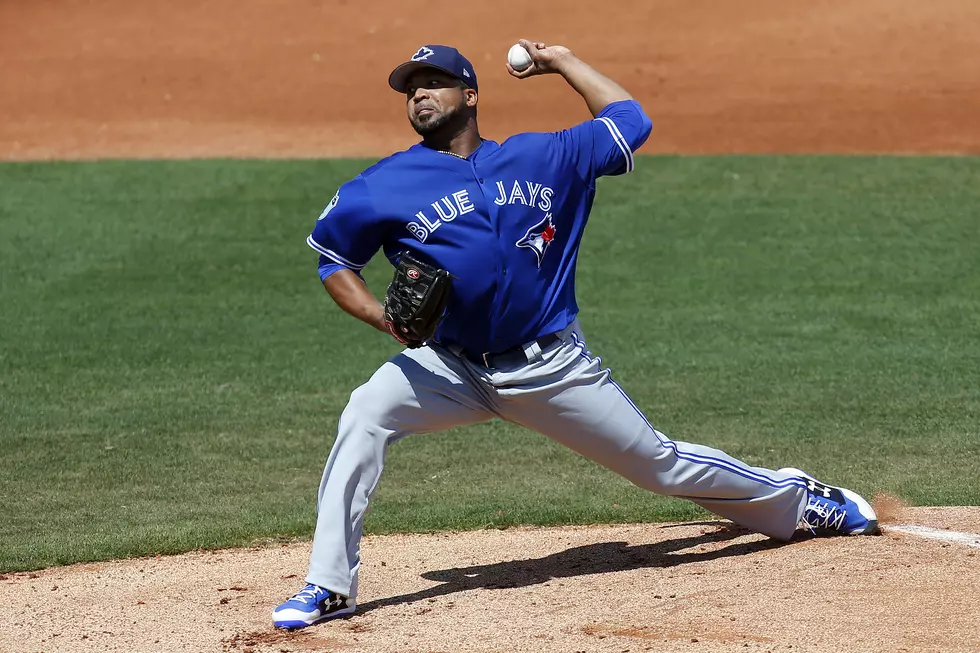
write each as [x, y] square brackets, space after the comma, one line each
[416, 300]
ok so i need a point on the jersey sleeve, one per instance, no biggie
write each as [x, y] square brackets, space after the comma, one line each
[349, 231]
[604, 146]
[326, 267]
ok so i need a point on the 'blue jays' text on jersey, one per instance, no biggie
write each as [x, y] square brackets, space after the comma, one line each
[506, 222]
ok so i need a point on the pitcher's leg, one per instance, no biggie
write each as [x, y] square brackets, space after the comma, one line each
[576, 403]
[418, 391]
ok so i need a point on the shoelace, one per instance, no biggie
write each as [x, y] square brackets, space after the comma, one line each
[823, 515]
[306, 595]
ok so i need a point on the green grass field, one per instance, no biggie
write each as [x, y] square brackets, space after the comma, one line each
[171, 371]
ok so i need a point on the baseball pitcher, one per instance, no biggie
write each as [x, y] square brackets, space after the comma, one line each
[484, 238]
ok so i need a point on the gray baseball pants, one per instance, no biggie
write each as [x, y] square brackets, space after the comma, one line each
[563, 393]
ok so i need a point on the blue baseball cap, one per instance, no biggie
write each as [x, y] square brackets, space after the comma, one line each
[441, 57]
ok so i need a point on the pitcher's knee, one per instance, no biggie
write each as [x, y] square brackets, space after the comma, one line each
[369, 411]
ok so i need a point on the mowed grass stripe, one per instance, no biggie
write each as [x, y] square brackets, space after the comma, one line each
[171, 372]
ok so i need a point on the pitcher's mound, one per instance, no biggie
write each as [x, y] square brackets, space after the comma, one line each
[648, 587]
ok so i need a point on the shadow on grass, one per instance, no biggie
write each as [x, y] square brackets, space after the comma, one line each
[599, 558]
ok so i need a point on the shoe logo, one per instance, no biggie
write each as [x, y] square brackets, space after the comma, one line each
[335, 603]
[821, 489]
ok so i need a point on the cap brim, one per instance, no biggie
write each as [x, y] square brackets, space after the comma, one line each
[398, 79]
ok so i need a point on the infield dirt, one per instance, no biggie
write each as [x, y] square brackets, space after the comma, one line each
[647, 587]
[82, 80]
[308, 78]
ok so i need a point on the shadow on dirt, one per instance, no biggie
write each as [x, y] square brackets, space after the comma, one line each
[599, 558]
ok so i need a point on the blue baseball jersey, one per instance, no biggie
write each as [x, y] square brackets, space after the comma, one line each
[506, 222]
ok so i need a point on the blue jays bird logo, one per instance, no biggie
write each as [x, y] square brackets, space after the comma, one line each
[539, 237]
[422, 54]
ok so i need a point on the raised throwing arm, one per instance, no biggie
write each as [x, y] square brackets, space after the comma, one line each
[598, 90]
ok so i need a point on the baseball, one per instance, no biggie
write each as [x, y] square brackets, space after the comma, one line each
[518, 57]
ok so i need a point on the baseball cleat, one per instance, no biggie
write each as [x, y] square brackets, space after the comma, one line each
[835, 510]
[311, 605]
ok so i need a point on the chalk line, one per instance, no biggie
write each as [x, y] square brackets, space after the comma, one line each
[968, 539]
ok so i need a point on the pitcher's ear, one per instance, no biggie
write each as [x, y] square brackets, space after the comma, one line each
[471, 97]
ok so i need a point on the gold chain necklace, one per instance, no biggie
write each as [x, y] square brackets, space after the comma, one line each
[458, 156]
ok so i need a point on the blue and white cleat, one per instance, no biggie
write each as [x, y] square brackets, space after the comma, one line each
[835, 510]
[311, 605]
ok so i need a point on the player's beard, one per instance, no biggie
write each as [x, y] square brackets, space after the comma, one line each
[430, 125]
